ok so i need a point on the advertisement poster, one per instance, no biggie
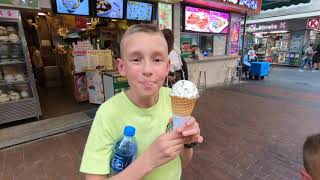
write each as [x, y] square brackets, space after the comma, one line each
[186, 47]
[139, 11]
[74, 7]
[203, 20]
[234, 34]
[165, 16]
[30, 4]
[105, 57]
[110, 8]
[95, 87]
[219, 45]
[93, 60]
[80, 87]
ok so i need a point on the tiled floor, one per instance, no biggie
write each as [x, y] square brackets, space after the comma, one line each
[252, 133]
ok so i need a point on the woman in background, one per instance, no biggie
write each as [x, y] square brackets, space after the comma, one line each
[178, 69]
[316, 59]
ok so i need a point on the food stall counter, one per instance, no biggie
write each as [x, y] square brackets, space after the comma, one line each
[215, 68]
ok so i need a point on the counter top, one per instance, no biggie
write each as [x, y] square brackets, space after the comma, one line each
[213, 58]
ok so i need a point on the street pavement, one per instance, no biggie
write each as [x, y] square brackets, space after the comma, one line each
[254, 131]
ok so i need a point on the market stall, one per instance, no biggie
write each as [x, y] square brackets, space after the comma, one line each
[210, 37]
[279, 42]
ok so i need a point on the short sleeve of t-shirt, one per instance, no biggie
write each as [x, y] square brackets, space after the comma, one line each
[107, 128]
[98, 147]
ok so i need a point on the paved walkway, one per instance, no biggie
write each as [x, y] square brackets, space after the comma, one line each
[254, 132]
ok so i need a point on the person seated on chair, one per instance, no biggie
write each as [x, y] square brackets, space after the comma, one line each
[246, 65]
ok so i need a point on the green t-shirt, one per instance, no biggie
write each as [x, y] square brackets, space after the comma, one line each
[107, 128]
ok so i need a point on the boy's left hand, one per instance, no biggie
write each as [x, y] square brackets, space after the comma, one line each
[191, 131]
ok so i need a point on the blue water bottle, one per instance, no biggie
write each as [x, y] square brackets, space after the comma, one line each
[124, 151]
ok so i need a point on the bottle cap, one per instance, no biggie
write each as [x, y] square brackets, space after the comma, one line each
[129, 131]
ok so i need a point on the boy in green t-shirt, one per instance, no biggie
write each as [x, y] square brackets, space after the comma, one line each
[147, 107]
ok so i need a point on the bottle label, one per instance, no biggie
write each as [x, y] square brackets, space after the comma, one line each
[119, 163]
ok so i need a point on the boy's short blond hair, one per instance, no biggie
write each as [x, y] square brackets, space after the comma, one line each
[311, 156]
[138, 28]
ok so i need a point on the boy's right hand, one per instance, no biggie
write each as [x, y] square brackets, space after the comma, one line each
[164, 149]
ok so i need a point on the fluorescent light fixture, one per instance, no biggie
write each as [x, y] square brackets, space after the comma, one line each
[278, 32]
[41, 14]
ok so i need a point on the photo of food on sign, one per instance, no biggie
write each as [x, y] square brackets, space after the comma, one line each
[139, 11]
[165, 15]
[203, 20]
[110, 8]
[76, 7]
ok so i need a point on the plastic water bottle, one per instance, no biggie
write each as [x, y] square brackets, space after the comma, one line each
[124, 151]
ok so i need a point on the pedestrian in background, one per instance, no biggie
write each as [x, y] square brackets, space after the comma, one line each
[252, 54]
[316, 59]
[307, 58]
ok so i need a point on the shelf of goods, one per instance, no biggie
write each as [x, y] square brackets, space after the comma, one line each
[18, 95]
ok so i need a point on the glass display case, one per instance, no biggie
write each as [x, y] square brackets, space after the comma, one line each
[18, 94]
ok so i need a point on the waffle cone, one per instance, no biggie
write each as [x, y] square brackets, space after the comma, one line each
[182, 106]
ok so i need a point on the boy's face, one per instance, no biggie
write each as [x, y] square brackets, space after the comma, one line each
[145, 63]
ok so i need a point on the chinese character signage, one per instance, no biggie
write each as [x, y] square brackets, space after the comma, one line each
[249, 7]
[29, 4]
[9, 13]
[234, 34]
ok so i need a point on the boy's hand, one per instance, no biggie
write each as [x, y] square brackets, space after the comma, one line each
[191, 131]
[164, 149]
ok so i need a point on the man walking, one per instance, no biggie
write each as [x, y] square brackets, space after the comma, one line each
[308, 58]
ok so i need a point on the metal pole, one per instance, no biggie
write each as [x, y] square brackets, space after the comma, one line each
[244, 34]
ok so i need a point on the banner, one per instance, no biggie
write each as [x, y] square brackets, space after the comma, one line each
[234, 34]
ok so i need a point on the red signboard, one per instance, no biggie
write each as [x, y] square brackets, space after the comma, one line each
[313, 23]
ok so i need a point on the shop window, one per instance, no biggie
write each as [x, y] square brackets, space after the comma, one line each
[219, 45]
[205, 44]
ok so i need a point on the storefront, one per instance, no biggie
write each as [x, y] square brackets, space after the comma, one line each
[78, 51]
[279, 42]
[210, 36]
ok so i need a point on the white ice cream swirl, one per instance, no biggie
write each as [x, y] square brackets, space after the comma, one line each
[184, 89]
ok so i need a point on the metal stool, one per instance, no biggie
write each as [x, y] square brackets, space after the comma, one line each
[231, 75]
[202, 85]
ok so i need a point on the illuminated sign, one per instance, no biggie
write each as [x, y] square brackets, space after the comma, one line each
[252, 4]
[267, 27]
[313, 23]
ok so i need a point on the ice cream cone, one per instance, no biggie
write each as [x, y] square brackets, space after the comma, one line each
[182, 106]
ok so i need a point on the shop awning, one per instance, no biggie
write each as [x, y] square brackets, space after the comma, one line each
[271, 4]
[286, 17]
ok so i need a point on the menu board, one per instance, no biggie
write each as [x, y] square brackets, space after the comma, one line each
[109, 8]
[139, 11]
[204, 20]
[164, 16]
[234, 34]
[74, 7]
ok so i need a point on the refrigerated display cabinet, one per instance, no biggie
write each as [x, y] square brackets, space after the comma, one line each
[18, 94]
